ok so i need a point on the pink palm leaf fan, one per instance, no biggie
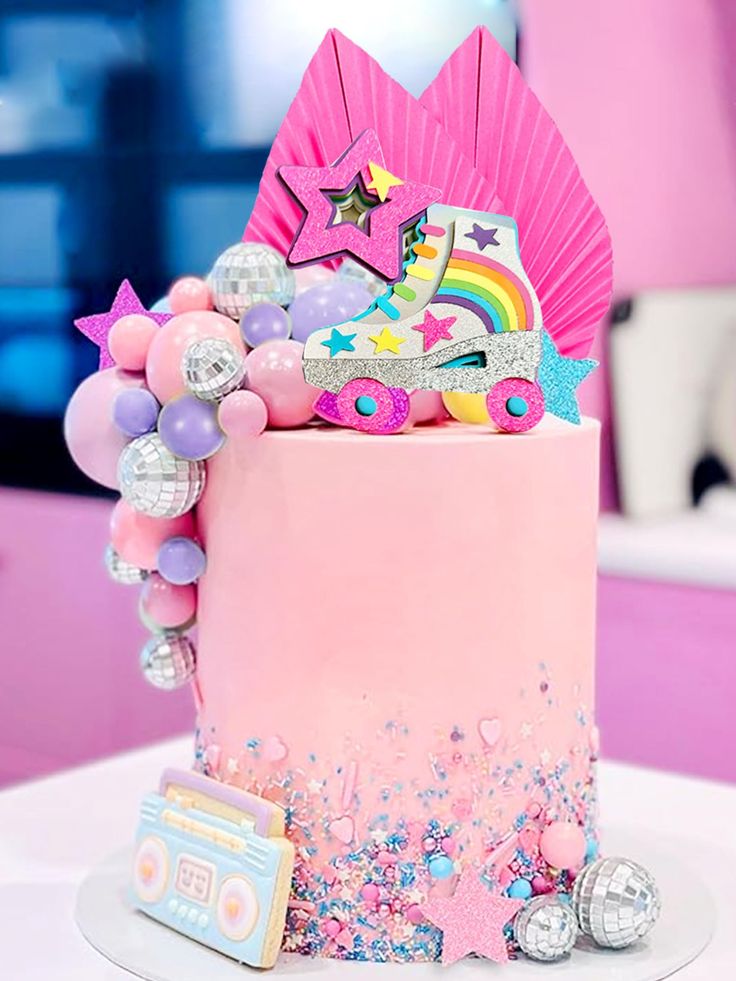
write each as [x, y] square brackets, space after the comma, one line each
[344, 92]
[483, 102]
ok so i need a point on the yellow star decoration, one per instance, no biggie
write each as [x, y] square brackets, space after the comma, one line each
[381, 180]
[386, 341]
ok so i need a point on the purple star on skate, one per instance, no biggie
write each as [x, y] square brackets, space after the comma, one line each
[378, 243]
[483, 236]
[97, 326]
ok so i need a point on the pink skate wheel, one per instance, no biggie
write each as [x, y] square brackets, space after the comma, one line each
[515, 404]
[369, 406]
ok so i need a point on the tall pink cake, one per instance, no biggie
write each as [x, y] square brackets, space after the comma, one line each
[396, 643]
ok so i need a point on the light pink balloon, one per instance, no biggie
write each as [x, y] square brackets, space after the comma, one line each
[242, 413]
[94, 441]
[130, 339]
[306, 276]
[189, 293]
[274, 371]
[166, 605]
[426, 407]
[163, 364]
[137, 537]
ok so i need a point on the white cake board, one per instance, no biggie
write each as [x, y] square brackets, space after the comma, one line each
[151, 951]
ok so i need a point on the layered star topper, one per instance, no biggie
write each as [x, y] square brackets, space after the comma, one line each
[355, 207]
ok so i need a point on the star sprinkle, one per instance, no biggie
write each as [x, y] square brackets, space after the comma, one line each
[435, 329]
[559, 378]
[339, 342]
[483, 236]
[472, 920]
[97, 326]
[379, 243]
[381, 181]
[386, 341]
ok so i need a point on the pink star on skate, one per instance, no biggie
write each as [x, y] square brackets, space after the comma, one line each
[472, 920]
[435, 329]
[98, 325]
[378, 243]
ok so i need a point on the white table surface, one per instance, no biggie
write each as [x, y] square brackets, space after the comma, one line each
[52, 831]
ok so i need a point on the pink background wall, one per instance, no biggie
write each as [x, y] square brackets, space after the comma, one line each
[645, 94]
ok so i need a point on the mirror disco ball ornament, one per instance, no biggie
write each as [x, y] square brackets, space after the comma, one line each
[248, 273]
[156, 482]
[546, 929]
[169, 661]
[212, 368]
[616, 902]
[121, 571]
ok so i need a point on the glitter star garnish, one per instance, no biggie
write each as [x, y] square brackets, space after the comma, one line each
[526, 730]
[97, 326]
[232, 766]
[381, 181]
[386, 341]
[544, 757]
[559, 378]
[339, 342]
[472, 920]
[435, 329]
[483, 236]
[314, 786]
[378, 242]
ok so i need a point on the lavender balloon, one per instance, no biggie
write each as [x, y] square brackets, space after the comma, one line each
[180, 561]
[326, 305]
[135, 411]
[265, 322]
[188, 428]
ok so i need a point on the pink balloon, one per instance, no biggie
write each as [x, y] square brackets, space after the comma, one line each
[166, 605]
[562, 844]
[242, 413]
[306, 276]
[163, 364]
[130, 339]
[189, 293]
[274, 371]
[426, 407]
[137, 537]
[94, 441]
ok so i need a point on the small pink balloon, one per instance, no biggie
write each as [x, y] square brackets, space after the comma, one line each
[306, 276]
[274, 371]
[562, 844]
[166, 605]
[130, 339]
[137, 537]
[189, 293]
[163, 364]
[94, 441]
[242, 413]
[426, 407]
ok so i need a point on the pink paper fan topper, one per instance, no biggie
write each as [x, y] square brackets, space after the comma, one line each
[355, 207]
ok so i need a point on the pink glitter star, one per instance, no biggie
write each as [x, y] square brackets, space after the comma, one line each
[435, 329]
[378, 245]
[472, 920]
[97, 326]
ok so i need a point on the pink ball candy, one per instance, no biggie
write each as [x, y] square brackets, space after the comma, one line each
[274, 371]
[189, 293]
[414, 914]
[332, 928]
[370, 892]
[94, 441]
[166, 605]
[163, 364]
[130, 339]
[562, 844]
[137, 537]
[242, 413]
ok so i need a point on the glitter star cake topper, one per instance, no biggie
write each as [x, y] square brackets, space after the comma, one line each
[355, 207]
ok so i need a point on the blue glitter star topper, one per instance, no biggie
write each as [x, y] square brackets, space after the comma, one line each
[559, 378]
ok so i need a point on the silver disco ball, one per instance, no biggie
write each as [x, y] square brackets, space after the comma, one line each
[156, 482]
[212, 368]
[248, 273]
[169, 661]
[353, 272]
[616, 901]
[121, 571]
[546, 929]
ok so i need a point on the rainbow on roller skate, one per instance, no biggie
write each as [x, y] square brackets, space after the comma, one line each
[463, 318]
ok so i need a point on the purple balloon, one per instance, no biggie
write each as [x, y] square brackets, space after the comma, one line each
[180, 561]
[265, 322]
[327, 305]
[188, 428]
[135, 411]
